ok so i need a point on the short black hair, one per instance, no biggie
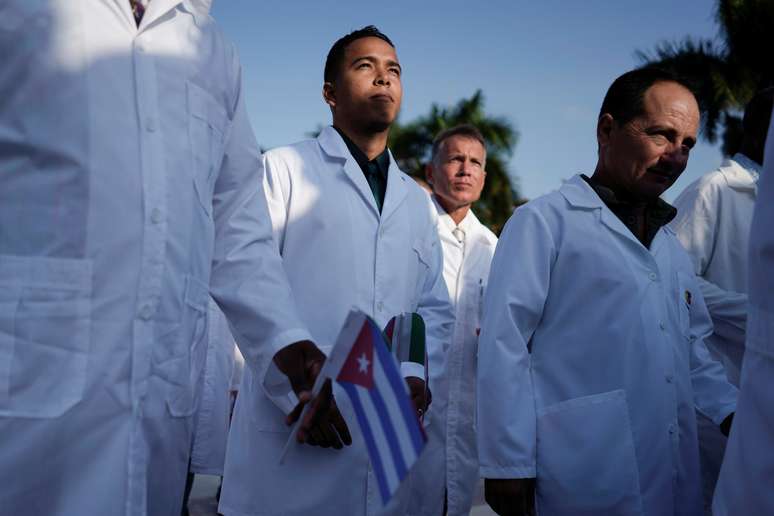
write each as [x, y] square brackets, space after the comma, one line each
[466, 130]
[757, 113]
[624, 99]
[336, 53]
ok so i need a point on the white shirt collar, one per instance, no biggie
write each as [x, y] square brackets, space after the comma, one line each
[465, 224]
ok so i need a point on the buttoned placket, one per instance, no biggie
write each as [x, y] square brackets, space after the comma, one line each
[673, 430]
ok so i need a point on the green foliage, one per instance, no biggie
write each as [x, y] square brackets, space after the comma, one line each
[726, 72]
[411, 144]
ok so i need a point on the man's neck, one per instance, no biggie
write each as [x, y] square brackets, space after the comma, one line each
[371, 144]
[601, 178]
[457, 213]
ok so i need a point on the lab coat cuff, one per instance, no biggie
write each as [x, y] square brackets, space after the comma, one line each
[275, 384]
[408, 369]
[723, 413]
[508, 472]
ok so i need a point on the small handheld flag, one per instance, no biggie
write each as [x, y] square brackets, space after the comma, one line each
[380, 398]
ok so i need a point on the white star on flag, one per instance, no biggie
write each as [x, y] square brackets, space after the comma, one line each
[363, 363]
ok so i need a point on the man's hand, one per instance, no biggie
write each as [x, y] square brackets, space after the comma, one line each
[420, 395]
[511, 497]
[322, 425]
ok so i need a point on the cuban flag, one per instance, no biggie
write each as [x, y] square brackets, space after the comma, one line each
[380, 398]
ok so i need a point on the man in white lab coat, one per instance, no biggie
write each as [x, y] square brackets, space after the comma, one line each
[744, 486]
[456, 174]
[592, 360]
[713, 220]
[353, 231]
[130, 189]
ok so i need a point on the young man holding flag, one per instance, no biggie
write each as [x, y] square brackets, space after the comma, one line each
[353, 231]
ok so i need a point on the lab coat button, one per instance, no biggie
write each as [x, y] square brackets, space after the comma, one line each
[672, 428]
[146, 311]
[380, 306]
[150, 124]
[653, 276]
[156, 216]
[669, 378]
[662, 325]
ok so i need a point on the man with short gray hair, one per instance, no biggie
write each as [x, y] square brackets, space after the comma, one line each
[456, 174]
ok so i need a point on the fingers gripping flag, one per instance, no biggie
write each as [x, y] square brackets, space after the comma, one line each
[392, 433]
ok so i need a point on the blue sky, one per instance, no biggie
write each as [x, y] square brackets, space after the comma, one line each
[543, 65]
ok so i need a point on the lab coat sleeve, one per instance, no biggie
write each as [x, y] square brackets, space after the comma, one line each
[714, 396]
[248, 280]
[513, 306]
[435, 308]
[696, 226]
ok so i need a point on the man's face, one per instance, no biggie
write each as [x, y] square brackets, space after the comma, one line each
[646, 155]
[457, 174]
[367, 91]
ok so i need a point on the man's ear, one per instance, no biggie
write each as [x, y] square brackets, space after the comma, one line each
[605, 126]
[429, 173]
[328, 94]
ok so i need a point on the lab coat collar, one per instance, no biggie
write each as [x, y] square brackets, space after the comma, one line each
[200, 10]
[741, 173]
[580, 195]
[333, 145]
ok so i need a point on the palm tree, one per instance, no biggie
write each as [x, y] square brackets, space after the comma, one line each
[411, 146]
[726, 72]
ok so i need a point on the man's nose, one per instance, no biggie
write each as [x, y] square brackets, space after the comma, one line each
[382, 78]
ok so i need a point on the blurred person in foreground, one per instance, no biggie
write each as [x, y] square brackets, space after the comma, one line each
[130, 191]
[744, 485]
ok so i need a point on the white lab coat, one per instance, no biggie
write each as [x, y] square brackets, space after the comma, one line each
[713, 220]
[129, 180]
[450, 463]
[592, 362]
[211, 421]
[744, 486]
[339, 253]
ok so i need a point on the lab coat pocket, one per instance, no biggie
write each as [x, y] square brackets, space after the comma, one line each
[586, 463]
[187, 367]
[45, 331]
[207, 126]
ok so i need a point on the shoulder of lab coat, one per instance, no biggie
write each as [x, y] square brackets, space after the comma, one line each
[248, 280]
[519, 280]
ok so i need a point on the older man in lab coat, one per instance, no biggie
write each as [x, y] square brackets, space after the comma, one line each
[592, 360]
[353, 231]
[744, 486]
[456, 174]
[129, 190]
[713, 220]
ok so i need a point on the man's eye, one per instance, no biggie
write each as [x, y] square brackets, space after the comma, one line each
[363, 65]
[395, 71]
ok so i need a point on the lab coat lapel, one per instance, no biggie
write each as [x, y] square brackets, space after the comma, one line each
[580, 195]
[331, 143]
[396, 189]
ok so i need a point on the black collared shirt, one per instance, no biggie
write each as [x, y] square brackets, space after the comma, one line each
[643, 220]
[375, 170]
